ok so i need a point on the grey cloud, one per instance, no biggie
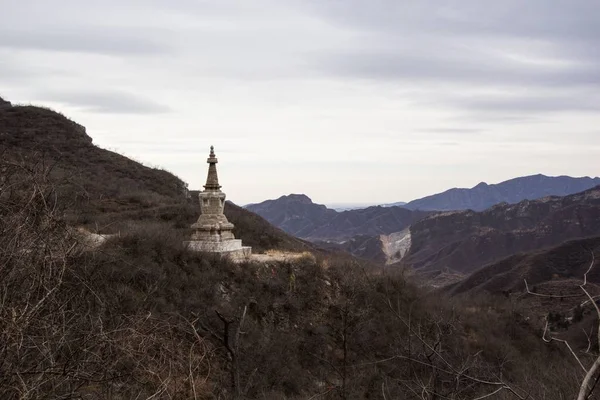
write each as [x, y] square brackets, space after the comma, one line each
[529, 104]
[467, 42]
[561, 19]
[78, 39]
[450, 67]
[469, 131]
[542, 56]
[450, 144]
[114, 102]
[10, 73]
[13, 70]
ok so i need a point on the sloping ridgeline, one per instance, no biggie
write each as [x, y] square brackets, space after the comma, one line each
[107, 192]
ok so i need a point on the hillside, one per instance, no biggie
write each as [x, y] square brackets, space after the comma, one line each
[483, 196]
[362, 246]
[141, 316]
[97, 180]
[463, 241]
[299, 216]
[107, 192]
[565, 262]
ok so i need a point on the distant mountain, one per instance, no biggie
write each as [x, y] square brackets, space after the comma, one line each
[463, 241]
[299, 216]
[396, 204]
[512, 191]
[348, 206]
[295, 214]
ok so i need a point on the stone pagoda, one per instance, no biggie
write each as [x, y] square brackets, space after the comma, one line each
[212, 232]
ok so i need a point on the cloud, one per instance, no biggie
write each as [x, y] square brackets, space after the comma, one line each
[530, 103]
[564, 21]
[81, 39]
[471, 47]
[11, 73]
[466, 131]
[412, 96]
[458, 67]
[112, 102]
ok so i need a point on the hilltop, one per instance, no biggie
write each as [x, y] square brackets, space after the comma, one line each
[4, 103]
[107, 192]
[97, 180]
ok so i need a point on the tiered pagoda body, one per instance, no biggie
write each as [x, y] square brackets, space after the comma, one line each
[212, 231]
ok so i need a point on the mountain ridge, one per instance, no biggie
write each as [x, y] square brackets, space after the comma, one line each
[299, 216]
[484, 195]
[463, 241]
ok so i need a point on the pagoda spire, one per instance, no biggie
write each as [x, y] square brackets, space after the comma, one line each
[212, 180]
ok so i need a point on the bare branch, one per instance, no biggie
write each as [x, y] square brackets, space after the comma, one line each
[551, 338]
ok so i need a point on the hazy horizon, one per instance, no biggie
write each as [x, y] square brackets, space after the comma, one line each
[347, 102]
[350, 204]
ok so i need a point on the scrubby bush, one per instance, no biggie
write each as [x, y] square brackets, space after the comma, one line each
[141, 315]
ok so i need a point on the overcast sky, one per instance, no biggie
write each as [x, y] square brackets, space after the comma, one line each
[344, 100]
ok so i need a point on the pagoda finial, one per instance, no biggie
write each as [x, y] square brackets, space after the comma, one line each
[212, 180]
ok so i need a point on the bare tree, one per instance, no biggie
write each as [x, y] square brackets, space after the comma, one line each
[592, 372]
[58, 336]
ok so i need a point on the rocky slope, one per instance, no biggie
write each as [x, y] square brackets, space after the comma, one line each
[512, 191]
[466, 240]
[565, 262]
[299, 216]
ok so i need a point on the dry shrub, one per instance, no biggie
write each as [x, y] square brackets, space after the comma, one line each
[59, 338]
[142, 316]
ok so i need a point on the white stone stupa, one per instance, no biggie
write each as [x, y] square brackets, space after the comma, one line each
[212, 232]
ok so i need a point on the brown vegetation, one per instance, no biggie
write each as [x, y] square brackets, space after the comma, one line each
[140, 316]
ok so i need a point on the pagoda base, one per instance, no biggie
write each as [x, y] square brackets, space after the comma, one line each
[227, 247]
